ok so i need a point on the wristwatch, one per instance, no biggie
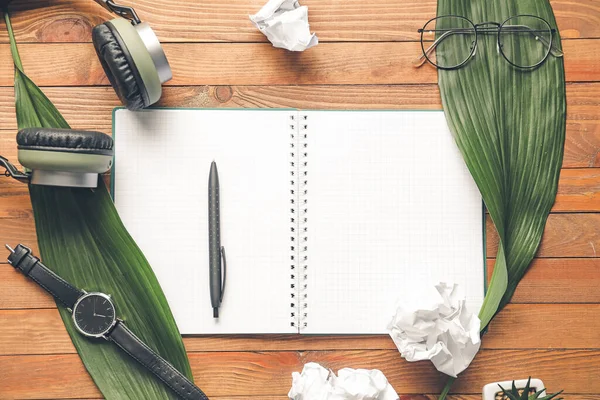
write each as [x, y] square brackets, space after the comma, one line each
[94, 316]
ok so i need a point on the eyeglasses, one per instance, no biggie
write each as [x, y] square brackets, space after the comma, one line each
[525, 41]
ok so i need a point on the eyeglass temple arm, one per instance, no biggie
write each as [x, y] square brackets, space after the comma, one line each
[422, 58]
[556, 52]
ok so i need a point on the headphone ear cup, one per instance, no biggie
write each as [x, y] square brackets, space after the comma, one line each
[117, 66]
[127, 63]
[64, 157]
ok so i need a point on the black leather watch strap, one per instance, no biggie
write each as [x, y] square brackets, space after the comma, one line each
[160, 367]
[23, 260]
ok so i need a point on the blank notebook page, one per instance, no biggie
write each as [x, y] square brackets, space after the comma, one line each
[162, 166]
[392, 210]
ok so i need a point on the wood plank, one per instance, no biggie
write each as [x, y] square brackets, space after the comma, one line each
[557, 280]
[402, 397]
[548, 280]
[76, 64]
[91, 108]
[215, 21]
[14, 200]
[45, 377]
[566, 235]
[18, 292]
[578, 191]
[269, 374]
[260, 367]
[516, 327]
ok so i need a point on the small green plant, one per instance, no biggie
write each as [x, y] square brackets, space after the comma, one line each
[526, 393]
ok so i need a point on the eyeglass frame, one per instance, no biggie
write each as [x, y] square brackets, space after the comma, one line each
[497, 28]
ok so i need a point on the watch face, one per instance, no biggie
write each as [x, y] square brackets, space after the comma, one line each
[94, 314]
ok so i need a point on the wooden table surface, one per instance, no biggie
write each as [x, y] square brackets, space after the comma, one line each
[550, 331]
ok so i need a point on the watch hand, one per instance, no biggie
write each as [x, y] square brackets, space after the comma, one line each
[100, 315]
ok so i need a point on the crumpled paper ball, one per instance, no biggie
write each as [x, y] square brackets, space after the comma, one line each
[314, 383]
[318, 383]
[285, 24]
[364, 384]
[442, 331]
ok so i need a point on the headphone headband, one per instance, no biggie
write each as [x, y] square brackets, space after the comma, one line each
[13, 171]
[122, 11]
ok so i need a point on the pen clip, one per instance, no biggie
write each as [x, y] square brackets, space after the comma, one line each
[224, 263]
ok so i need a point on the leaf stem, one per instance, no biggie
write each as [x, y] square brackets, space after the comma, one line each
[447, 388]
[13, 45]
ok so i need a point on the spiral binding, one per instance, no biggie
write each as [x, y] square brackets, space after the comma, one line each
[299, 220]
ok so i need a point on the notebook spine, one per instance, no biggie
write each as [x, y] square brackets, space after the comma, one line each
[303, 220]
[293, 221]
[299, 221]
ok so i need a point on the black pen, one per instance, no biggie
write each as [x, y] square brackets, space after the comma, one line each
[215, 251]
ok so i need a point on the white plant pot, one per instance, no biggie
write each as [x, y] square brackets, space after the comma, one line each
[491, 389]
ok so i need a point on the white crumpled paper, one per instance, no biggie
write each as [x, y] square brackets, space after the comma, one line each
[441, 330]
[318, 383]
[285, 24]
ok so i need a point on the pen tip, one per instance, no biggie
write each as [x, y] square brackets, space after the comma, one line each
[215, 312]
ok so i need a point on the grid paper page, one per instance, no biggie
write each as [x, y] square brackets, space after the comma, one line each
[162, 165]
[392, 211]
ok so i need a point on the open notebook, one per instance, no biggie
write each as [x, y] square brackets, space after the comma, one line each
[328, 217]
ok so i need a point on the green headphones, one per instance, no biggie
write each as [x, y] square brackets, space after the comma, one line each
[131, 57]
[136, 67]
[61, 157]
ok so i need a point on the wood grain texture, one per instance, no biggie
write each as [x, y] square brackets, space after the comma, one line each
[566, 235]
[217, 21]
[76, 64]
[516, 327]
[578, 191]
[549, 330]
[91, 107]
[269, 373]
[558, 280]
[232, 368]
[549, 280]
[402, 397]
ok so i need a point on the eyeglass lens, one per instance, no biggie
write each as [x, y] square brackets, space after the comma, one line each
[525, 40]
[453, 40]
[449, 41]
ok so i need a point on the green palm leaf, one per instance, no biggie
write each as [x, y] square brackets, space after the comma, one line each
[510, 127]
[81, 237]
